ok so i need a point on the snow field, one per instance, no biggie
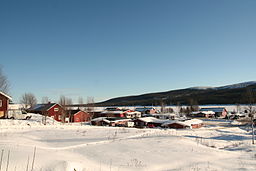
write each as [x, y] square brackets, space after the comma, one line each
[81, 147]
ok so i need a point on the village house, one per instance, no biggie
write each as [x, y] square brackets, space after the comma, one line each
[218, 111]
[53, 110]
[78, 116]
[4, 104]
[192, 123]
[119, 113]
[149, 122]
[167, 116]
[147, 110]
[120, 122]
[132, 114]
[206, 114]
[101, 121]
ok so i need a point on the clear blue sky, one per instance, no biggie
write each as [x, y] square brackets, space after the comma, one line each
[112, 48]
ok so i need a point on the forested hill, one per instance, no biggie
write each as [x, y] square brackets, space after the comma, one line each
[231, 94]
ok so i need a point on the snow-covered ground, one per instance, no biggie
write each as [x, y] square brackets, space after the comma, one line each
[79, 147]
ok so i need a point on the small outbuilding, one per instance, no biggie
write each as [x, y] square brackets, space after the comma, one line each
[78, 116]
[4, 104]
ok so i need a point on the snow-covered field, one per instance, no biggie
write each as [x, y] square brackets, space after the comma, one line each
[79, 147]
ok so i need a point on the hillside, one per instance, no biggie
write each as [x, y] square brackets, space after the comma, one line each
[230, 94]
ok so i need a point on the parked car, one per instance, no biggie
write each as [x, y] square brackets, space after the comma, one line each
[18, 114]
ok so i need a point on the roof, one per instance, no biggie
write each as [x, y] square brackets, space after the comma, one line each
[42, 107]
[151, 119]
[218, 109]
[113, 112]
[9, 97]
[185, 123]
[73, 112]
[100, 119]
[193, 121]
[142, 109]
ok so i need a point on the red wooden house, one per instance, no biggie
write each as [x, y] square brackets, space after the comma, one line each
[4, 102]
[53, 110]
[78, 116]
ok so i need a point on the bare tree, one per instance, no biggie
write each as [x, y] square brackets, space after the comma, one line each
[80, 103]
[80, 100]
[90, 105]
[250, 96]
[64, 102]
[163, 105]
[45, 100]
[4, 83]
[29, 100]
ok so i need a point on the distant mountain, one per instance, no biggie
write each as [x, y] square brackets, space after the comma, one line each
[239, 85]
[232, 86]
[230, 94]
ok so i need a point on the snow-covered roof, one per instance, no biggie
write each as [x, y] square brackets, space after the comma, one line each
[114, 112]
[193, 121]
[188, 123]
[151, 119]
[101, 119]
[9, 97]
[121, 120]
[142, 109]
[163, 114]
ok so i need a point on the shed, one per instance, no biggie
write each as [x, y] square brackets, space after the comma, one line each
[4, 104]
[78, 116]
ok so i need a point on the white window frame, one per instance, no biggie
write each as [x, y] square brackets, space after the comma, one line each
[56, 109]
[1, 103]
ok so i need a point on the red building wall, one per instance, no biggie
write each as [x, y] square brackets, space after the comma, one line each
[56, 112]
[4, 106]
[82, 116]
[176, 126]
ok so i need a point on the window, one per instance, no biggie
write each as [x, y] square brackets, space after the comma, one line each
[56, 109]
[1, 103]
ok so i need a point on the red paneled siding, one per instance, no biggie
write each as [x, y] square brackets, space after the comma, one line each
[176, 126]
[196, 125]
[56, 112]
[224, 113]
[4, 106]
[82, 116]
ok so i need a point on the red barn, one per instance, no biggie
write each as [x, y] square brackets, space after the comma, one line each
[118, 113]
[79, 116]
[53, 110]
[4, 102]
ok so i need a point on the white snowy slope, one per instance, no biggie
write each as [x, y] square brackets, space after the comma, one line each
[89, 148]
[232, 86]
